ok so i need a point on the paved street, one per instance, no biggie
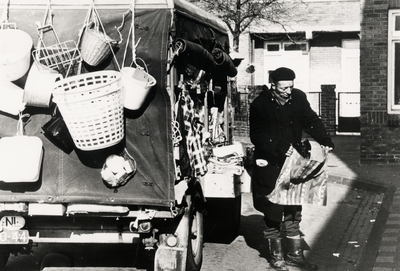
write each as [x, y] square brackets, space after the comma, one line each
[333, 233]
[336, 233]
[355, 231]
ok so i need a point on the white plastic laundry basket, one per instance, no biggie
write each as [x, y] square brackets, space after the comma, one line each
[92, 107]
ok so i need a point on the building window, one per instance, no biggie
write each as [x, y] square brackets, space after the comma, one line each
[286, 46]
[293, 55]
[295, 46]
[394, 62]
[258, 43]
[272, 47]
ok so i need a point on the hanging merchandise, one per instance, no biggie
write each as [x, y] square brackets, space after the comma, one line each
[62, 57]
[137, 84]
[192, 147]
[217, 133]
[39, 86]
[181, 155]
[20, 156]
[15, 50]
[15, 54]
[118, 169]
[92, 107]
[196, 55]
[57, 132]
[95, 44]
[11, 98]
[225, 66]
[136, 80]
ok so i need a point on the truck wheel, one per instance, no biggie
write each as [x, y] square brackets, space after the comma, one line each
[55, 260]
[4, 258]
[195, 241]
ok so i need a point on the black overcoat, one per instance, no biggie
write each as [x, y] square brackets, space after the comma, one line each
[273, 125]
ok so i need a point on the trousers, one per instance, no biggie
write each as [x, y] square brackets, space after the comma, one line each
[282, 219]
[277, 218]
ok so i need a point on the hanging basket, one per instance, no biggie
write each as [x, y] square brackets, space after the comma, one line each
[92, 107]
[96, 46]
[60, 58]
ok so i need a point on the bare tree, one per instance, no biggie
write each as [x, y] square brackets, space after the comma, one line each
[238, 15]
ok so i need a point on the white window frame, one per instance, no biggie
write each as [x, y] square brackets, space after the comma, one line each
[282, 47]
[288, 59]
[266, 43]
[303, 42]
[393, 38]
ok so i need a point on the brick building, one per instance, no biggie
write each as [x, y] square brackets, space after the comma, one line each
[320, 42]
[380, 103]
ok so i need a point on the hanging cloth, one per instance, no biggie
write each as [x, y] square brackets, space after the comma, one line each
[195, 150]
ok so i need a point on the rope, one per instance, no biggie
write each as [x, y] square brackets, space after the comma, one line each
[20, 124]
[5, 15]
[92, 12]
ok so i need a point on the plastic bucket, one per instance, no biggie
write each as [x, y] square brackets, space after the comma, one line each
[11, 97]
[15, 54]
[39, 87]
[137, 84]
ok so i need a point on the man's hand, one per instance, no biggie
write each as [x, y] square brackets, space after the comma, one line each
[327, 148]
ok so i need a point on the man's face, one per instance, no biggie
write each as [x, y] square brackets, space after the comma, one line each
[283, 89]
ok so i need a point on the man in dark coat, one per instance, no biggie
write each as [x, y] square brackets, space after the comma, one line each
[278, 117]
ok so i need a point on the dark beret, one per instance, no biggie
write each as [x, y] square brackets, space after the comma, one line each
[282, 74]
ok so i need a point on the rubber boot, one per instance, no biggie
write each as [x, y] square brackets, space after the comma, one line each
[276, 260]
[295, 256]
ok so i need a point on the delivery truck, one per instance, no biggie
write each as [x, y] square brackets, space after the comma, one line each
[116, 128]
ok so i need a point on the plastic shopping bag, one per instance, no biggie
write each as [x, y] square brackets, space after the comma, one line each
[301, 181]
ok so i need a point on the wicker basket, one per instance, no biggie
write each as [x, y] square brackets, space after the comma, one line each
[95, 46]
[92, 107]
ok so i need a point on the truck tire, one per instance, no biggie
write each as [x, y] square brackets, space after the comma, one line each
[4, 255]
[55, 260]
[194, 258]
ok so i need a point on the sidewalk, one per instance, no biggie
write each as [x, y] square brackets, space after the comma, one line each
[362, 228]
[383, 247]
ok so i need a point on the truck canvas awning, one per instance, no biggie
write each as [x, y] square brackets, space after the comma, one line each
[75, 177]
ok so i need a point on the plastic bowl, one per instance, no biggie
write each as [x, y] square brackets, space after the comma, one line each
[15, 53]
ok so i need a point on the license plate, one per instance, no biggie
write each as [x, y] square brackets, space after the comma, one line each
[14, 236]
[12, 222]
